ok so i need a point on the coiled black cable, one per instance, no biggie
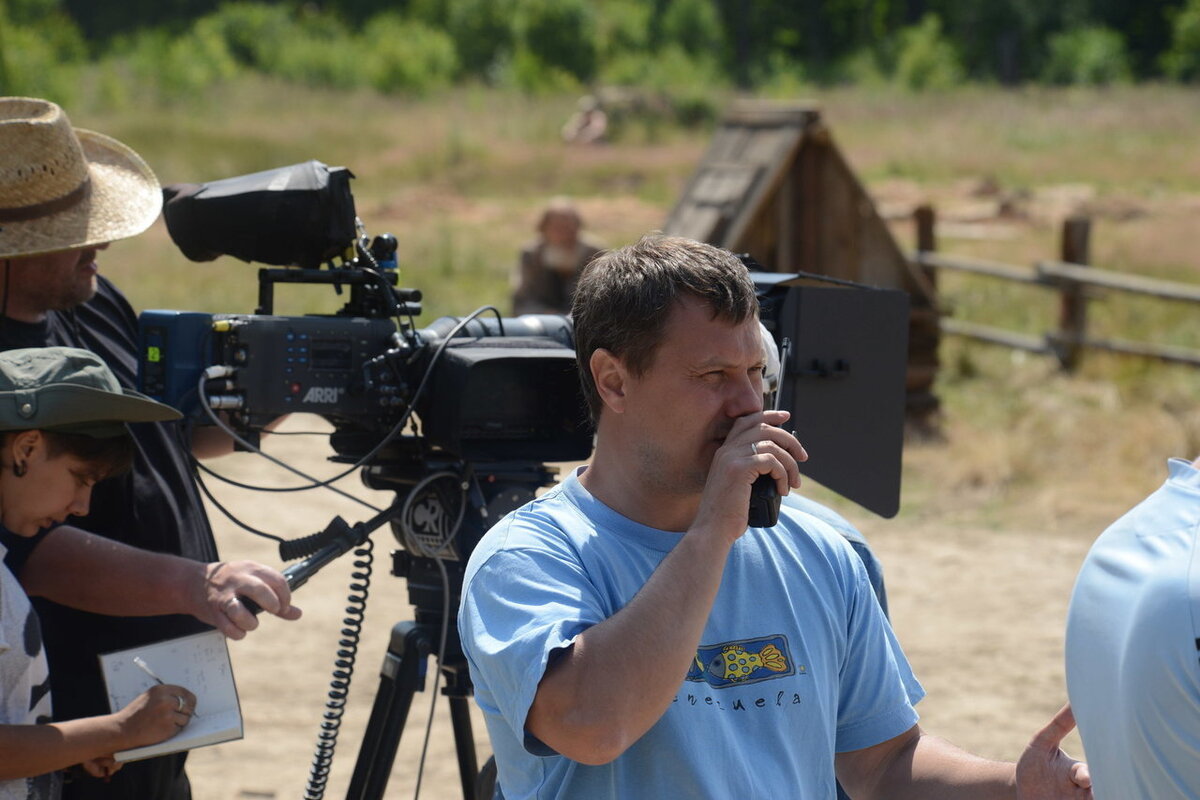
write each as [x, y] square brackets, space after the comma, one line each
[343, 671]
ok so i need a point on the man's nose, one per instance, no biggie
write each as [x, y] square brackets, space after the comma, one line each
[745, 397]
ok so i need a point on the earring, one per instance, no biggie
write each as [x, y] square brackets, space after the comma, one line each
[19, 469]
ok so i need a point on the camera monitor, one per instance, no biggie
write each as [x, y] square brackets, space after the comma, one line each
[843, 379]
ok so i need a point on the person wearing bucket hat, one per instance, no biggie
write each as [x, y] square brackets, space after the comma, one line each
[65, 194]
[63, 429]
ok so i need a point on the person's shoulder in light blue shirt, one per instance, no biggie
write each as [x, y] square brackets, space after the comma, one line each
[1132, 657]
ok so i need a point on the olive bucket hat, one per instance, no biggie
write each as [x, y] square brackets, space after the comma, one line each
[62, 187]
[69, 390]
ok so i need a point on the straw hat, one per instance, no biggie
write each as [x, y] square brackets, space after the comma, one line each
[64, 187]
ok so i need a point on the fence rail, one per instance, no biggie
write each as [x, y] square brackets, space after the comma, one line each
[1076, 283]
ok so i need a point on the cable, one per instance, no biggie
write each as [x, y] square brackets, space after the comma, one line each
[370, 455]
[229, 514]
[343, 672]
[433, 361]
[436, 554]
[313, 482]
[441, 654]
[257, 488]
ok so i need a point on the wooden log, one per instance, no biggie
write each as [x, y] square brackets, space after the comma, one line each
[1173, 355]
[1059, 271]
[978, 266]
[1072, 307]
[993, 335]
[924, 332]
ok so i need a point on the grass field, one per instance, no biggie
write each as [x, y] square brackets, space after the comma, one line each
[459, 179]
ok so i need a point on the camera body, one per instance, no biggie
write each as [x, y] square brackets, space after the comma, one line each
[490, 395]
[278, 365]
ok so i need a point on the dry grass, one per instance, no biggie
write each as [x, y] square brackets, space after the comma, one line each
[459, 180]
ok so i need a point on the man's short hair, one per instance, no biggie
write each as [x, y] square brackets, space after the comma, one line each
[625, 296]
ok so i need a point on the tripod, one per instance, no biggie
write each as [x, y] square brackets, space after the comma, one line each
[434, 587]
[403, 673]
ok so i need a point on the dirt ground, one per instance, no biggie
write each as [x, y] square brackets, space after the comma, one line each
[979, 611]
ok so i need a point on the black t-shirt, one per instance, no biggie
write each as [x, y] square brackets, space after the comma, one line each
[156, 506]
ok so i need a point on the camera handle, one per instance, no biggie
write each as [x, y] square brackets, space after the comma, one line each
[341, 537]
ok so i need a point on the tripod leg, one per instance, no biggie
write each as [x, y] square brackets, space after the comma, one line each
[464, 743]
[401, 676]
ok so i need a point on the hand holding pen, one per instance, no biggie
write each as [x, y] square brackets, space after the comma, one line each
[186, 707]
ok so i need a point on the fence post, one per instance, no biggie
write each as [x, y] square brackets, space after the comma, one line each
[924, 337]
[1072, 309]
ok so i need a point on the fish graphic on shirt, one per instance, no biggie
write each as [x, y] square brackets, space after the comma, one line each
[740, 662]
[736, 663]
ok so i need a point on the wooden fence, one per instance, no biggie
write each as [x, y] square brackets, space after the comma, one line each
[1072, 278]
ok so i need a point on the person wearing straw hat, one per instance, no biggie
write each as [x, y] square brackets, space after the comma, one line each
[65, 194]
[63, 429]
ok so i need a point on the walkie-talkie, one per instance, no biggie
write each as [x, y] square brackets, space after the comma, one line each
[764, 497]
[764, 502]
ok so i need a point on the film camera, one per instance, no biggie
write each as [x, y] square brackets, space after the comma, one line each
[484, 391]
[460, 418]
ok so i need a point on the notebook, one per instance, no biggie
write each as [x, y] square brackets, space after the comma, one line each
[199, 663]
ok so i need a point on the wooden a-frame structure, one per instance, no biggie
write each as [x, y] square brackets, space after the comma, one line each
[773, 184]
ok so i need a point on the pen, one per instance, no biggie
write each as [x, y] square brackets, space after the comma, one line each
[144, 667]
[141, 664]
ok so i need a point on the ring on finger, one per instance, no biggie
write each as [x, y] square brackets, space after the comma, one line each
[754, 448]
[179, 699]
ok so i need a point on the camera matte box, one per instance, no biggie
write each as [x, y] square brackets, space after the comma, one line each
[843, 381]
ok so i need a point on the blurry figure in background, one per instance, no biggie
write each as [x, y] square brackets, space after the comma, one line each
[588, 125]
[551, 263]
[1133, 644]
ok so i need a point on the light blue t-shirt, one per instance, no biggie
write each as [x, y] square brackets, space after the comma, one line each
[851, 534]
[1133, 644]
[796, 662]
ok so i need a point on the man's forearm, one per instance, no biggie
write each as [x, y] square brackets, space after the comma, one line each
[89, 572]
[591, 713]
[923, 767]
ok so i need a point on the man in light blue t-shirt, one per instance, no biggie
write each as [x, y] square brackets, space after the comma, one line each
[629, 637]
[1133, 646]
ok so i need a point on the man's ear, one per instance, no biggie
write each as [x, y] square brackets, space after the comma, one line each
[611, 377]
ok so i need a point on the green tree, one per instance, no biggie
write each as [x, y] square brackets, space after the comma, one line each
[482, 32]
[623, 27]
[1181, 61]
[555, 39]
[252, 32]
[101, 20]
[401, 55]
[694, 25]
[1093, 55]
[41, 51]
[925, 59]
